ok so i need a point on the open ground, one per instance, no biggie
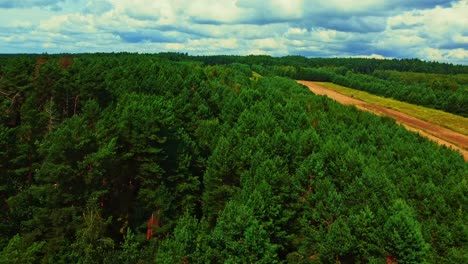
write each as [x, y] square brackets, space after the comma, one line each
[437, 133]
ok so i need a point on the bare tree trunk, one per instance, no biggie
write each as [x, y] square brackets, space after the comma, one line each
[76, 103]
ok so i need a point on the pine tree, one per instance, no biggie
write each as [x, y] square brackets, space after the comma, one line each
[404, 237]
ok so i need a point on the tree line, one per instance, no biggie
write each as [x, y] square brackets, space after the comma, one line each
[435, 85]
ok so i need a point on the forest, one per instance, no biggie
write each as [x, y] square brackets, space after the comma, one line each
[171, 158]
[436, 85]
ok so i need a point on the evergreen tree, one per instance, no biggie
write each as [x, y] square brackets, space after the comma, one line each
[404, 237]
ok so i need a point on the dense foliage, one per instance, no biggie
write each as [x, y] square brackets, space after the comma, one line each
[232, 168]
[435, 85]
[444, 92]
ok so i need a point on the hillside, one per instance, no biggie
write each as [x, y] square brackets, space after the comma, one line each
[167, 158]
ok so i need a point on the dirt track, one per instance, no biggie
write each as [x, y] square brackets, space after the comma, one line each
[435, 133]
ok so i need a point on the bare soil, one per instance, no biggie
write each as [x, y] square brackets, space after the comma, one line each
[438, 134]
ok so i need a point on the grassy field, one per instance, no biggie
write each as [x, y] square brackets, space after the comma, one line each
[450, 121]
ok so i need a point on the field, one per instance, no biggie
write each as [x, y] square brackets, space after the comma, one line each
[450, 121]
[380, 106]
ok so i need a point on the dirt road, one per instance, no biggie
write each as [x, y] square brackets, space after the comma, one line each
[435, 133]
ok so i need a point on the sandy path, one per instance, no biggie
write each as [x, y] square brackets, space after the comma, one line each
[435, 133]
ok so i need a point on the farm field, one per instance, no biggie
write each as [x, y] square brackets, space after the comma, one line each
[437, 117]
[383, 106]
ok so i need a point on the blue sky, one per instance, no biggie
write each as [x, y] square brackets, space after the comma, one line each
[426, 29]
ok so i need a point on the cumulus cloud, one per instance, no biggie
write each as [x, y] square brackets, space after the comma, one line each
[428, 29]
[98, 7]
[430, 33]
[26, 3]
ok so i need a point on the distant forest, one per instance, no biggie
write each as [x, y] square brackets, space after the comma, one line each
[170, 158]
[435, 85]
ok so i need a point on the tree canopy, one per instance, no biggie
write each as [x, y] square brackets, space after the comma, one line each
[223, 159]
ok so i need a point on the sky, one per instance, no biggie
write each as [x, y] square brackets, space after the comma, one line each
[433, 30]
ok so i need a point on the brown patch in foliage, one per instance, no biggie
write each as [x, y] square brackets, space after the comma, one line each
[391, 260]
[41, 61]
[65, 62]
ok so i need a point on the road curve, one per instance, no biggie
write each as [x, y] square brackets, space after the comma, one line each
[441, 135]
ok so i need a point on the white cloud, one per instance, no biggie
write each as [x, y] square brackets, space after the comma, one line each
[401, 38]
[74, 23]
[256, 52]
[372, 56]
[433, 34]
[28, 3]
[213, 44]
[98, 6]
[174, 46]
[214, 11]
[429, 29]
[296, 43]
[296, 31]
[457, 54]
[268, 44]
[20, 24]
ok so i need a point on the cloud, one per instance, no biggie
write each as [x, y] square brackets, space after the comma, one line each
[356, 24]
[268, 44]
[30, 3]
[424, 4]
[372, 56]
[69, 24]
[150, 36]
[456, 55]
[428, 29]
[98, 7]
[429, 33]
